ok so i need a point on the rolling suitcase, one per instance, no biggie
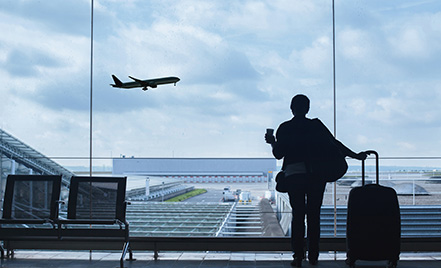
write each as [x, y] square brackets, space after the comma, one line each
[373, 227]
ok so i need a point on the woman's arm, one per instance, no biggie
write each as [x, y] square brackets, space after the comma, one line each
[277, 143]
[343, 148]
[348, 152]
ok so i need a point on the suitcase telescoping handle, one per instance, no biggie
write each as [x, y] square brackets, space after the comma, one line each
[377, 176]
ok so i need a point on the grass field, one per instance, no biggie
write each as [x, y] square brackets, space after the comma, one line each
[185, 196]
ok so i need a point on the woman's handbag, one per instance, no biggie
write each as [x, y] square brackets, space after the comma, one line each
[330, 170]
[329, 164]
[326, 161]
[282, 185]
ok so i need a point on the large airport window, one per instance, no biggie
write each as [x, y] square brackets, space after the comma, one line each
[177, 96]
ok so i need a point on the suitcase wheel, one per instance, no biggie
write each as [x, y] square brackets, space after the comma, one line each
[350, 263]
[392, 264]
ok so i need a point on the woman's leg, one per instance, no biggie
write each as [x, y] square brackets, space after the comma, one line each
[314, 203]
[297, 201]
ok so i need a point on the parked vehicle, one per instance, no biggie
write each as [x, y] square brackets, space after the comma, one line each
[228, 195]
[245, 197]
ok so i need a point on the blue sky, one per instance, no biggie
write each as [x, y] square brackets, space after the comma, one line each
[240, 62]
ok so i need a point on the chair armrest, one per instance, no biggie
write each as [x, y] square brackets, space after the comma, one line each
[88, 221]
[26, 221]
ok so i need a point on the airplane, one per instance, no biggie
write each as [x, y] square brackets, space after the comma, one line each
[153, 83]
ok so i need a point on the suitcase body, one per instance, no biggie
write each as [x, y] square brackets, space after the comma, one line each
[373, 223]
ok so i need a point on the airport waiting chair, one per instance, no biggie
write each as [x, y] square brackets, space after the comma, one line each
[30, 210]
[96, 213]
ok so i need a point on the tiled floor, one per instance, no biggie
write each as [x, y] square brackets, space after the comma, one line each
[70, 259]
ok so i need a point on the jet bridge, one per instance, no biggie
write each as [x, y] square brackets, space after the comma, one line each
[18, 158]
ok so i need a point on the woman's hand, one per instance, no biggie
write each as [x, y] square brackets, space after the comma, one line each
[361, 156]
[270, 138]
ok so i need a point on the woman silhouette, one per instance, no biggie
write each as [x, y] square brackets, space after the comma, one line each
[293, 142]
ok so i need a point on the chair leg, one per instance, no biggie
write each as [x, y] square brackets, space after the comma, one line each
[10, 253]
[156, 252]
[124, 251]
[126, 248]
[131, 254]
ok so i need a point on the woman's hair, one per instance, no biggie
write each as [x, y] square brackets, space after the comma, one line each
[300, 105]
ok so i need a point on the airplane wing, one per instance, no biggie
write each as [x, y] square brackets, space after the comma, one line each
[145, 83]
[136, 79]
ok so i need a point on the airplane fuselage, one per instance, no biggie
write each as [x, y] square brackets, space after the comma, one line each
[153, 83]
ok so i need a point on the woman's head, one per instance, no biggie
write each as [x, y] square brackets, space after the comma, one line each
[300, 105]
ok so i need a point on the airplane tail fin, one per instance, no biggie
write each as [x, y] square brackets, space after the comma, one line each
[118, 82]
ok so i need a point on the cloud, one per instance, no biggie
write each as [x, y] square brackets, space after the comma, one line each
[46, 67]
[358, 106]
[64, 16]
[240, 62]
[354, 44]
[208, 66]
[406, 146]
[28, 63]
[315, 59]
[405, 47]
[197, 55]
[415, 44]
[410, 43]
[411, 103]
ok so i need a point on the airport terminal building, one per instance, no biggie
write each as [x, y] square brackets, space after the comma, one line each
[199, 170]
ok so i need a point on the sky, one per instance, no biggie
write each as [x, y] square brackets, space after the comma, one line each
[240, 63]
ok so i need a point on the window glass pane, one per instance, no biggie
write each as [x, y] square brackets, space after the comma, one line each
[31, 200]
[239, 64]
[96, 200]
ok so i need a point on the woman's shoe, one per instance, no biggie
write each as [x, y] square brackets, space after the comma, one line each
[297, 262]
[313, 261]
